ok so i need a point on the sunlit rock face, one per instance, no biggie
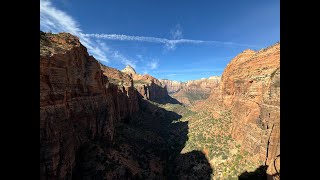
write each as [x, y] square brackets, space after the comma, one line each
[250, 89]
[192, 91]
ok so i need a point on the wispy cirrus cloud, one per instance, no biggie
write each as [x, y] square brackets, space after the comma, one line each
[169, 43]
[176, 32]
[55, 20]
[153, 64]
[124, 60]
[149, 63]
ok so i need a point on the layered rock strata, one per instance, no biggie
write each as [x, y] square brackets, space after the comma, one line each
[250, 89]
[78, 104]
[149, 87]
[191, 91]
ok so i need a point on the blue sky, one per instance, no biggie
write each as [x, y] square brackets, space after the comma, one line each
[178, 40]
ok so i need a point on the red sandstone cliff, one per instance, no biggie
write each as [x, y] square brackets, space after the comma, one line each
[82, 101]
[124, 93]
[250, 88]
[150, 88]
[77, 103]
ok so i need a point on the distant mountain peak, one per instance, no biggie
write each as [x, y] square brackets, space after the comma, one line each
[129, 70]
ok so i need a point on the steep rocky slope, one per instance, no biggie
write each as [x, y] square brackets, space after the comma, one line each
[126, 97]
[78, 104]
[97, 122]
[191, 91]
[94, 124]
[250, 91]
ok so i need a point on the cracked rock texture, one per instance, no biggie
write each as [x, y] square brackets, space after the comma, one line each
[78, 104]
[250, 88]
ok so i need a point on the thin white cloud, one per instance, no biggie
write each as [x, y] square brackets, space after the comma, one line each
[176, 32]
[124, 60]
[103, 46]
[169, 43]
[153, 64]
[150, 64]
[55, 20]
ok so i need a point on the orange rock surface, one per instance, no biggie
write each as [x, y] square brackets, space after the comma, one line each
[250, 88]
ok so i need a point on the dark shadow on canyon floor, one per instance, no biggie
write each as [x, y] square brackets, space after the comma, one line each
[259, 174]
[148, 147]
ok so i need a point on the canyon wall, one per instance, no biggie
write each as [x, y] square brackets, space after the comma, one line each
[78, 104]
[172, 86]
[250, 89]
[191, 91]
[149, 87]
[82, 102]
[125, 96]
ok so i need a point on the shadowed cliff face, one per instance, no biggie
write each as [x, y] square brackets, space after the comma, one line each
[259, 174]
[94, 124]
[75, 105]
[149, 87]
[97, 122]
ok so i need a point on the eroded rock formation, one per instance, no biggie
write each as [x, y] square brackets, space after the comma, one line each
[172, 86]
[78, 104]
[191, 91]
[250, 89]
[87, 110]
[149, 87]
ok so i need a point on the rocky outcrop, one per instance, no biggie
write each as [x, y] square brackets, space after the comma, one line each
[191, 91]
[172, 86]
[250, 88]
[203, 84]
[78, 104]
[129, 70]
[125, 95]
[149, 88]
[85, 107]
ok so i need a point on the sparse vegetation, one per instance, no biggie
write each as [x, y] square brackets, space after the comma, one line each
[139, 82]
[195, 96]
[274, 72]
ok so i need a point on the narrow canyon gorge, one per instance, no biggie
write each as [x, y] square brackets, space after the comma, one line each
[98, 122]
